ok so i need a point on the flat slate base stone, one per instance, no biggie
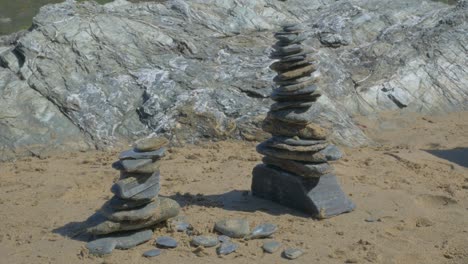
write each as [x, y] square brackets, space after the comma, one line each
[150, 144]
[137, 214]
[167, 208]
[331, 152]
[309, 131]
[262, 231]
[271, 246]
[235, 228]
[132, 154]
[321, 197]
[117, 203]
[128, 187]
[205, 241]
[106, 245]
[306, 170]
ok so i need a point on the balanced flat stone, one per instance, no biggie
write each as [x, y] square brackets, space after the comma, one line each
[322, 197]
[167, 208]
[205, 241]
[117, 203]
[235, 228]
[143, 166]
[288, 105]
[128, 187]
[287, 38]
[262, 231]
[290, 49]
[271, 246]
[312, 97]
[281, 145]
[309, 131]
[152, 253]
[303, 91]
[296, 115]
[103, 246]
[132, 154]
[150, 144]
[302, 87]
[292, 253]
[136, 214]
[293, 28]
[306, 170]
[227, 248]
[148, 194]
[280, 82]
[166, 242]
[281, 66]
[297, 73]
[296, 141]
[324, 155]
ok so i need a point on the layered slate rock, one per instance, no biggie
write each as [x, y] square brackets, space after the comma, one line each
[136, 204]
[296, 171]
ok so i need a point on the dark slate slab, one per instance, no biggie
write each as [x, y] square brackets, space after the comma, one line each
[105, 245]
[303, 169]
[132, 154]
[130, 186]
[321, 197]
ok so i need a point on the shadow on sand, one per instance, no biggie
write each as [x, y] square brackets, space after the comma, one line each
[456, 155]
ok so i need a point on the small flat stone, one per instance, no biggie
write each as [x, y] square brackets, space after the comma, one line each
[143, 166]
[306, 170]
[271, 246]
[103, 246]
[282, 145]
[293, 28]
[301, 72]
[304, 91]
[312, 97]
[287, 38]
[296, 115]
[235, 228]
[152, 253]
[148, 194]
[117, 203]
[227, 248]
[287, 105]
[262, 231]
[128, 187]
[166, 242]
[292, 253]
[281, 66]
[205, 241]
[296, 141]
[132, 154]
[141, 213]
[167, 209]
[150, 144]
[308, 131]
[290, 49]
[223, 238]
[302, 87]
[331, 152]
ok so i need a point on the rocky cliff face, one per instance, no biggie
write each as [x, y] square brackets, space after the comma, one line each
[87, 75]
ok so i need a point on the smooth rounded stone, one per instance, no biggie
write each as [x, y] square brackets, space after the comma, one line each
[271, 246]
[132, 154]
[167, 208]
[205, 241]
[117, 203]
[281, 66]
[280, 145]
[235, 228]
[106, 245]
[150, 144]
[309, 131]
[297, 73]
[262, 231]
[137, 214]
[296, 141]
[223, 238]
[306, 170]
[130, 186]
[227, 248]
[152, 253]
[296, 115]
[288, 105]
[166, 242]
[292, 253]
[314, 157]
[143, 166]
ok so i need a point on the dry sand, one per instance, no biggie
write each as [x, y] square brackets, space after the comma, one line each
[420, 201]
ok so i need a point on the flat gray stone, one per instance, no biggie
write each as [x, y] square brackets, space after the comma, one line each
[205, 241]
[143, 166]
[227, 248]
[223, 238]
[289, 38]
[132, 154]
[262, 231]
[235, 227]
[180, 224]
[167, 208]
[106, 245]
[117, 203]
[150, 144]
[292, 253]
[281, 66]
[166, 242]
[296, 115]
[128, 187]
[280, 128]
[303, 169]
[271, 246]
[321, 197]
[288, 105]
[137, 214]
[293, 28]
[152, 253]
[303, 91]
[279, 144]
[331, 152]
[150, 193]
[296, 141]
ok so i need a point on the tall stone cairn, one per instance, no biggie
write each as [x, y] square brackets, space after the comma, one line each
[295, 170]
[127, 218]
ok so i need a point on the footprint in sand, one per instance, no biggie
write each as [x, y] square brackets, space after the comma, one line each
[432, 200]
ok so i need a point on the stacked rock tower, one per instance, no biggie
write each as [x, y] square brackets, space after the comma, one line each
[295, 170]
[135, 205]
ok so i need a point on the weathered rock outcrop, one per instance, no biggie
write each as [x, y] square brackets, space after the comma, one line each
[87, 75]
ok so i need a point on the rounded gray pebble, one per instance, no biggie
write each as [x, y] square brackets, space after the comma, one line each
[224, 238]
[152, 253]
[205, 241]
[227, 248]
[271, 246]
[166, 242]
[292, 253]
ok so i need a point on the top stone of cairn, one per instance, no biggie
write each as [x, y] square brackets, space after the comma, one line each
[150, 144]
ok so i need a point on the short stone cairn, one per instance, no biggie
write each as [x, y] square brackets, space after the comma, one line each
[295, 170]
[125, 220]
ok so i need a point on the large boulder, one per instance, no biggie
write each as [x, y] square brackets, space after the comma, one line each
[87, 75]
